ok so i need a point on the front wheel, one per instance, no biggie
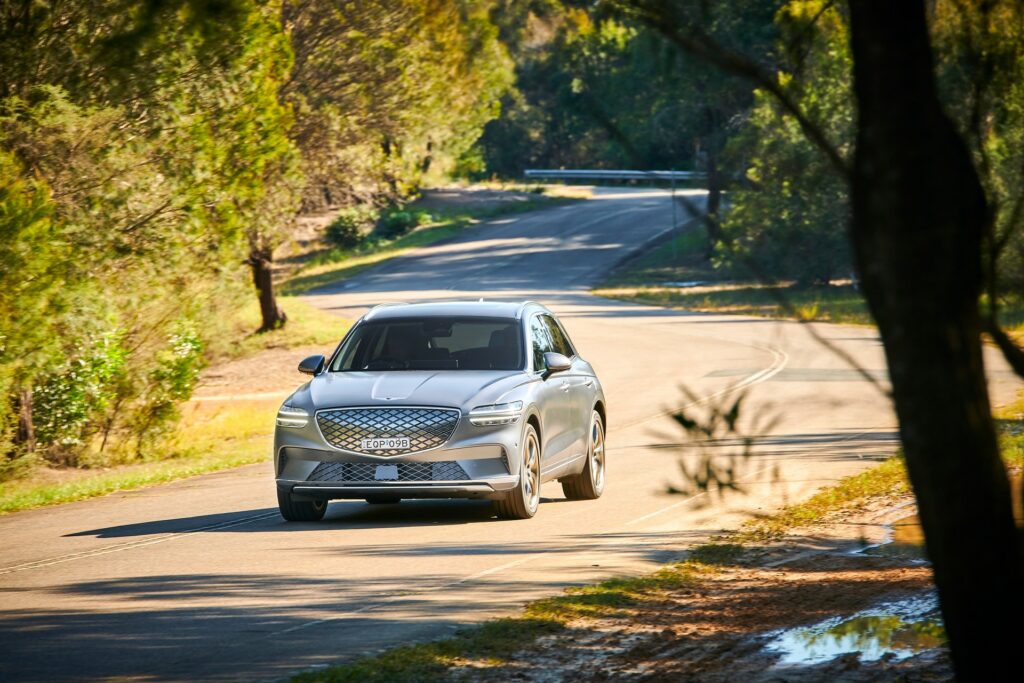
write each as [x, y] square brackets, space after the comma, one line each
[300, 510]
[522, 502]
[589, 484]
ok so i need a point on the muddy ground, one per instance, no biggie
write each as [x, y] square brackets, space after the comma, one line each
[722, 628]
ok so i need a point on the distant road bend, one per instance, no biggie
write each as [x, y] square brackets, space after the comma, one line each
[202, 580]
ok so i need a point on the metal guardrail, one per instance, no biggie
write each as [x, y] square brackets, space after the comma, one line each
[583, 174]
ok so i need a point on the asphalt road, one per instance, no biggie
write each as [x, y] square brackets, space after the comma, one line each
[202, 580]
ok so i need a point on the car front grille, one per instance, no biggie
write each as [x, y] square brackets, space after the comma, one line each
[426, 428]
[448, 470]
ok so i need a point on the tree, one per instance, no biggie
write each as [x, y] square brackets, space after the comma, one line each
[151, 138]
[917, 200]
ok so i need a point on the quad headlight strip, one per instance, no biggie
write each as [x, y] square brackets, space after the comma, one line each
[496, 414]
[290, 416]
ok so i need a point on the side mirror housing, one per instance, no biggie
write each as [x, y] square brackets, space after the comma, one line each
[555, 362]
[313, 365]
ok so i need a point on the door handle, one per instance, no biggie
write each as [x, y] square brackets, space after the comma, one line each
[588, 383]
[565, 386]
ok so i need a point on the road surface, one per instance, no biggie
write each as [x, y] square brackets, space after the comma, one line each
[202, 580]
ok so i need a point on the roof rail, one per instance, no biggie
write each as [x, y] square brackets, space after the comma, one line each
[522, 307]
[378, 306]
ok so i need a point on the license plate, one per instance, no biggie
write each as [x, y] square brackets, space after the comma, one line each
[386, 473]
[387, 444]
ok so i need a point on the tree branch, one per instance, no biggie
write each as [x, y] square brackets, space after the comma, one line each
[699, 44]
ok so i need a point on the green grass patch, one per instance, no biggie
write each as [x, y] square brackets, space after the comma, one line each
[681, 258]
[835, 303]
[340, 264]
[650, 279]
[307, 326]
[886, 479]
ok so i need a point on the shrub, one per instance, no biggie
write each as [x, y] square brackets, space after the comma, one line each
[350, 226]
[395, 222]
[71, 397]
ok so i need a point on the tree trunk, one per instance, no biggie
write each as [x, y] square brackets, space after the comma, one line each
[715, 236]
[26, 434]
[919, 214]
[261, 260]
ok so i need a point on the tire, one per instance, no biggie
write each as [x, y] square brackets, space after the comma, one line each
[589, 484]
[522, 503]
[300, 510]
[383, 500]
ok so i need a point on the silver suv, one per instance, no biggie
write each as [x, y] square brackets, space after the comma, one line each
[443, 400]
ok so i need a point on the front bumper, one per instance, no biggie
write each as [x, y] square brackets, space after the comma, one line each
[474, 462]
[471, 472]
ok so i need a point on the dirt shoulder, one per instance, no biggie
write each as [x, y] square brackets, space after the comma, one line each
[720, 624]
[847, 598]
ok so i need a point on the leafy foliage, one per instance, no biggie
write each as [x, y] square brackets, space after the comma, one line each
[149, 149]
[350, 226]
[789, 221]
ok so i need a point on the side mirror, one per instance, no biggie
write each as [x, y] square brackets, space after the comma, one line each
[555, 362]
[313, 365]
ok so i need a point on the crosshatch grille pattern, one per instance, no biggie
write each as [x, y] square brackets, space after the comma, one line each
[447, 470]
[425, 427]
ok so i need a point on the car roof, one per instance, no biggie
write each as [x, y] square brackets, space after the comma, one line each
[475, 309]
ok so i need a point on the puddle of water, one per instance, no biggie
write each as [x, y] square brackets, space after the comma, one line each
[898, 629]
[906, 537]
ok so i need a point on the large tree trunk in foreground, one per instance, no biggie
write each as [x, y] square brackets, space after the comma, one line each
[261, 262]
[919, 216]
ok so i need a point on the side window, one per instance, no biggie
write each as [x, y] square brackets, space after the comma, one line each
[559, 340]
[540, 340]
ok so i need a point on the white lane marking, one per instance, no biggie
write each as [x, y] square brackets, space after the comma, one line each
[105, 550]
[779, 361]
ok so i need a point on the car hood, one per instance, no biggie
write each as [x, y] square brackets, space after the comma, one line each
[454, 388]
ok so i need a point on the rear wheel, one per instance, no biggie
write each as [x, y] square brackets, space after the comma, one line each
[589, 484]
[300, 510]
[522, 502]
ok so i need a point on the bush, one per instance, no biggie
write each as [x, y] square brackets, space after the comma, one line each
[395, 222]
[350, 226]
[75, 395]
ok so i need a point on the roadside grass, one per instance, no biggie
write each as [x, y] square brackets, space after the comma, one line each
[494, 642]
[886, 480]
[833, 303]
[675, 273]
[307, 326]
[337, 265]
[209, 437]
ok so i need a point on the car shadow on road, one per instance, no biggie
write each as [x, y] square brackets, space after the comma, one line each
[341, 514]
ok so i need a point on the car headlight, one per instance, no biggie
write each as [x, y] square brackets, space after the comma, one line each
[497, 414]
[290, 416]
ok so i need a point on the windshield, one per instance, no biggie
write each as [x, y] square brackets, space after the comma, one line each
[432, 344]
